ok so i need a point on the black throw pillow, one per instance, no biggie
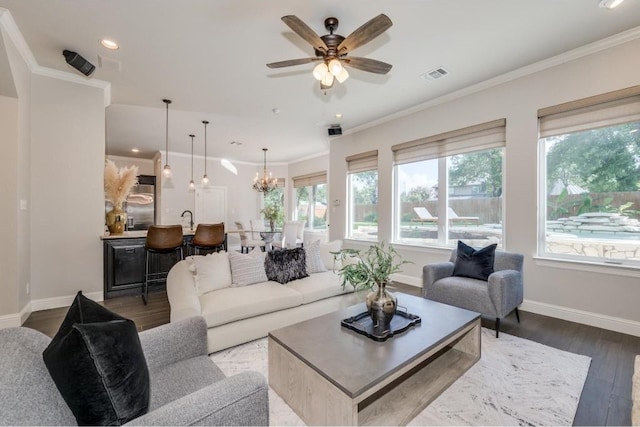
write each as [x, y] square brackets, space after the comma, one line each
[286, 265]
[98, 365]
[476, 264]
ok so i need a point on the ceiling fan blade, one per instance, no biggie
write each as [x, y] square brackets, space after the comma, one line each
[303, 30]
[291, 62]
[366, 64]
[365, 33]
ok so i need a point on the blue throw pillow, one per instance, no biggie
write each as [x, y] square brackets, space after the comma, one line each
[97, 363]
[286, 265]
[476, 264]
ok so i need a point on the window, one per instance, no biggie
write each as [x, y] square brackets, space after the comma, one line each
[311, 200]
[275, 199]
[362, 187]
[590, 179]
[449, 187]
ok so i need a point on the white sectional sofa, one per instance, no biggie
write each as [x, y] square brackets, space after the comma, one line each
[235, 314]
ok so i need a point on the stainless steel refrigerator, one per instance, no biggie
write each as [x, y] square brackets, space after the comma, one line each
[140, 204]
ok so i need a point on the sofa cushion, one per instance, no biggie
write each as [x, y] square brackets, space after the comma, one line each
[247, 269]
[235, 303]
[98, 365]
[212, 272]
[319, 286]
[476, 264]
[285, 265]
[330, 261]
[313, 258]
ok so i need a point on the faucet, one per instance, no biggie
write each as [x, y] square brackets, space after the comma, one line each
[190, 218]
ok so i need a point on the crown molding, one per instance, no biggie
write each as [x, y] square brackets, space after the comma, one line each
[8, 24]
[571, 55]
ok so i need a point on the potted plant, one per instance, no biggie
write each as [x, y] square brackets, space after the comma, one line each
[273, 214]
[371, 270]
[117, 186]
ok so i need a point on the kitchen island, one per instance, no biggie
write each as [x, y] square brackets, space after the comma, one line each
[124, 261]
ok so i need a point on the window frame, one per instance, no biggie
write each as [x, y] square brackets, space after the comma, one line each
[595, 112]
[310, 180]
[441, 147]
[359, 163]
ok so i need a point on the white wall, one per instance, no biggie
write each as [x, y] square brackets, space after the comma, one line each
[602, 295]
[145, 166]
[15, 224]
[67, 189]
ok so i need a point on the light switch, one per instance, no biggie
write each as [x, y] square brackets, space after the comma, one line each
[23, 205]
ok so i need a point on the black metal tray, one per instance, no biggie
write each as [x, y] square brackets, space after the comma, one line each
[363, 324]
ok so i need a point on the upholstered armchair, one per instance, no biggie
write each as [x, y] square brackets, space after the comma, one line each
[497, 297]
[187, 388]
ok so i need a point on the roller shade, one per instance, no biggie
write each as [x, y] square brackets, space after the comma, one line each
[473, 138]
[310, 179]
[612, 108]
[362, 162]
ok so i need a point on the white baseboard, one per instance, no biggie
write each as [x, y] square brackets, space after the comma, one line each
[408, 280]
[64, 301]
[16, 319]
[617, 324]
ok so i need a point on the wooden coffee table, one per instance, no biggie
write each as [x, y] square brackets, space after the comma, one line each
[330, 375]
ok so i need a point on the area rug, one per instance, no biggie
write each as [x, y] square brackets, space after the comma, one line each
[516, 382]
[635, 394]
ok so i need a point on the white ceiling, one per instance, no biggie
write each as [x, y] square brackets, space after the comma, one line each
[209, 58]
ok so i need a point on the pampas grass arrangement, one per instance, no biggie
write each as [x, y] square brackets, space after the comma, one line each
[119, 182]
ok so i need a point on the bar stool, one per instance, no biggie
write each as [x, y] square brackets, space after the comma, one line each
[209, 237]
[161, 240]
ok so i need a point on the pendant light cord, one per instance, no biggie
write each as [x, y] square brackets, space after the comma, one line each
[166, 131]
[205, 145]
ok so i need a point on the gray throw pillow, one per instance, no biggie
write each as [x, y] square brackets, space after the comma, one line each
[476, 264]
[286, 265]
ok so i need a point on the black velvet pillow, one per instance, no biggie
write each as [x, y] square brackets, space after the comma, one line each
[97, 363]
[477, 264]
[286, 265]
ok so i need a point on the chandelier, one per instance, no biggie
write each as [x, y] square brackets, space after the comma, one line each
[266, 183]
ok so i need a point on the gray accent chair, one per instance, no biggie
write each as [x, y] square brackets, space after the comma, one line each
[187, 388]
[496, 298]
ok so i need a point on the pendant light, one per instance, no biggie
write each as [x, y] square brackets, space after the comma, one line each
[192, 184]
[266, 183]
[166, 171]
[205, 178]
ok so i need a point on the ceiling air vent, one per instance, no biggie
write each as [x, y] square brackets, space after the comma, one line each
[435, 74]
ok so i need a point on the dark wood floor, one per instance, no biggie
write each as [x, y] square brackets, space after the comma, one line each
[606, 397]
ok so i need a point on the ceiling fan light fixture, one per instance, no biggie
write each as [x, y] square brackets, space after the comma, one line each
[335, 66]
[320, 71]
[344, 75]
[327, 80]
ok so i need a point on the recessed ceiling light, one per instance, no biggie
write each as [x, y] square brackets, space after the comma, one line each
[109, 44]
[275, 111]
[338, 116]
[610, 4]
[135, 150]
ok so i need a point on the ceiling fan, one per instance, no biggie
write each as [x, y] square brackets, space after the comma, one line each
[332, 49]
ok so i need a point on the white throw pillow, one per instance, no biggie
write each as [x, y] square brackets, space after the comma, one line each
[212, 272]
[247, 269]
[328, 258]
[313, 259]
